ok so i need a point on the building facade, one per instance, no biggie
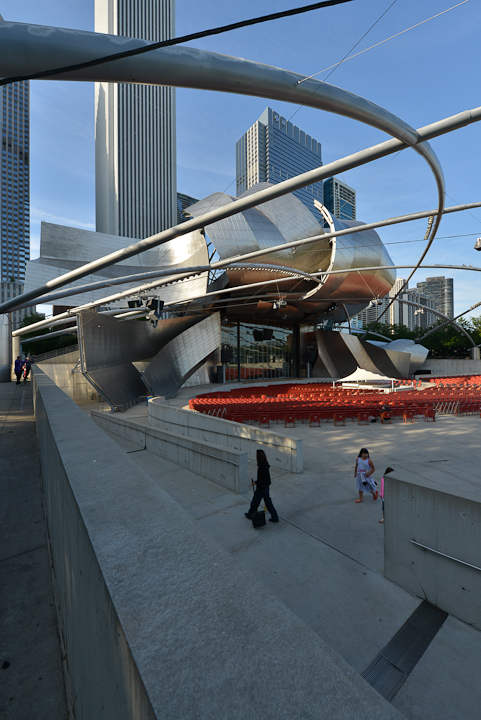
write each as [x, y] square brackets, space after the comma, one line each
[15, 208]
[440, 290]
[340, 199]
[183, 201]
[135, 139]
[401, 311]
[274, 150]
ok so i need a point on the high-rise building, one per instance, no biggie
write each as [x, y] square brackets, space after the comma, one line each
[183, 201]
[440, 290]
[273, 150]
[400, 313]
[339, 199]
[15, 206]
[15, 209]
[135, 140]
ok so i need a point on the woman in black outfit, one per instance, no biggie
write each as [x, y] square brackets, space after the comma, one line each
[262, 488]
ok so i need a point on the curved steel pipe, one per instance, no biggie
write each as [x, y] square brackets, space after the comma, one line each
[28, 48]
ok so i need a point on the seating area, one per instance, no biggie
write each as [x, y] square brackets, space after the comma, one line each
[319, 402]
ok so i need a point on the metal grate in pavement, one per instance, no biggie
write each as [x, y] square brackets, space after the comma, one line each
[391, 668]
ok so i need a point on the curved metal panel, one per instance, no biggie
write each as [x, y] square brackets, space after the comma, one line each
[182, 356]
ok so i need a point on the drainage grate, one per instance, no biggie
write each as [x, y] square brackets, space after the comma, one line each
[391, 668]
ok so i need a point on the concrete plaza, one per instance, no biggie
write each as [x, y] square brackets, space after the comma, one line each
[324, 560]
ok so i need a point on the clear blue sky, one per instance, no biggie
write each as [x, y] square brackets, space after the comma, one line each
[423, 75]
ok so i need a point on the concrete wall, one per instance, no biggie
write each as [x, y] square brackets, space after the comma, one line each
[60, 370]
[158, 622]
[222, 465]
[450, 367]
[446, 523]
[282, 451]
[6, 363]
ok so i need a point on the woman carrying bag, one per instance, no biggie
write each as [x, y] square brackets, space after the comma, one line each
[261, 491]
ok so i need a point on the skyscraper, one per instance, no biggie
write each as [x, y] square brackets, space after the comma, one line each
[135, 141]
[339, 199]
[440, 290]
[273, 150]
[15, 210]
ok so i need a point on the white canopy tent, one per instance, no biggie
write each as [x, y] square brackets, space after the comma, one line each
[366, 376]
[366, 379]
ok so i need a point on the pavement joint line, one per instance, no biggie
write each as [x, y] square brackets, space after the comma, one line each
[315, 537]
[24, 552]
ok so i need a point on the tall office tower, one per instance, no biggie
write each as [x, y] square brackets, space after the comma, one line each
[15, 212]
[440, 290]
[340, 199]
[273, 150]
[400, 313]
[135, 141]
[15, 208]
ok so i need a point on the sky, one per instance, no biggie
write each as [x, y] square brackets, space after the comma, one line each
[427, 73]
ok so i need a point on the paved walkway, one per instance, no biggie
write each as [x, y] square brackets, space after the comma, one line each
[324, 560]
[31, 676]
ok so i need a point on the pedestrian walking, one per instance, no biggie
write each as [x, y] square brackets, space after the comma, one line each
[26, 368]
[261, 491]
[363, 472]
[18, 368]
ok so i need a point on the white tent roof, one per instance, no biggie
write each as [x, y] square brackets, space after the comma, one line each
[360, 375]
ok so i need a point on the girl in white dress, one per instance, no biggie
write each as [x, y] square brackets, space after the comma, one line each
[363, 471]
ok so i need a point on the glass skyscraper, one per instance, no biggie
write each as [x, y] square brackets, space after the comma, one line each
[273, 150]
[15, 210]
[340, 199]
[135, 140]
[15, 207]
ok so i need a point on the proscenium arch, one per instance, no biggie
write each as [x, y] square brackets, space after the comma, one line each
[190, 272]
[25, 49]
[67, 316]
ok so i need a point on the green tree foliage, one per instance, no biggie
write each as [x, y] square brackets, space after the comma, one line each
[446, 342]
[38, 347]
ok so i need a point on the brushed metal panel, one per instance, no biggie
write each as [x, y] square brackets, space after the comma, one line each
[361, 353]
[182, 357]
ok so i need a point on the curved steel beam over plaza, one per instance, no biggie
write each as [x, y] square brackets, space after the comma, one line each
[450, 321]
[65, 317]
[189, 272]
[25, 49]
[445, 317]
[430, 131]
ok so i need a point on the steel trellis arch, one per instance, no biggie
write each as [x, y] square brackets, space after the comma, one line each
[27, 48]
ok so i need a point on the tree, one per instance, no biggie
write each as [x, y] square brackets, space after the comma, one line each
[42, 346]
[447, 342]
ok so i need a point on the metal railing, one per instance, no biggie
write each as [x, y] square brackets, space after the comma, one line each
[447, 407]
[55, 353]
